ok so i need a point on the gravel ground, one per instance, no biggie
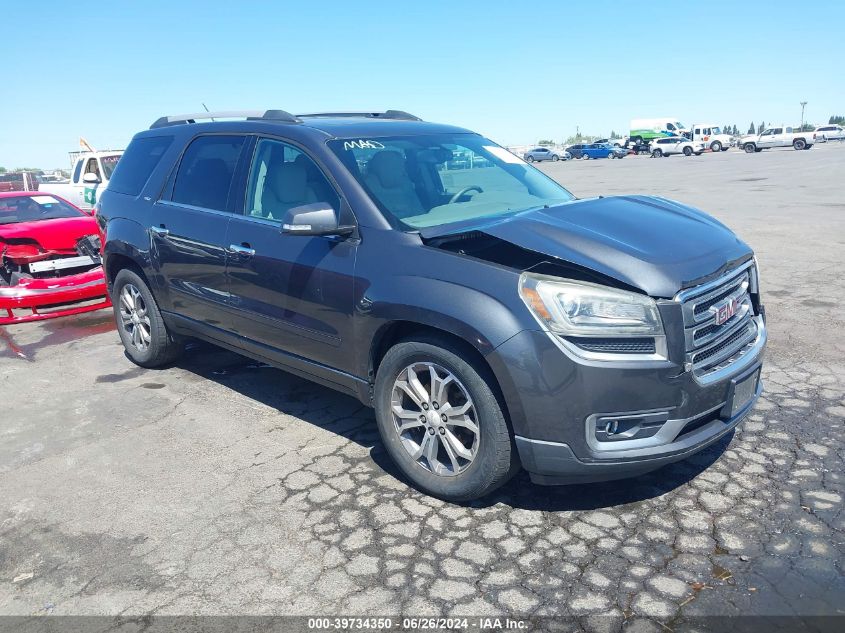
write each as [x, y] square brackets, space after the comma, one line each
[220, 486]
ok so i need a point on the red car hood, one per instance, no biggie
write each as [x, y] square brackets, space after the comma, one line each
[60, 234]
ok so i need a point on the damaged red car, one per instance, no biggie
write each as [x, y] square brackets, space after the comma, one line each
[49, 259]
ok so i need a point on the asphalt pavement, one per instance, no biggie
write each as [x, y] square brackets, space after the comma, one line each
[223, 486]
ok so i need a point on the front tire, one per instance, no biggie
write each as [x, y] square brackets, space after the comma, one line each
[555, 158]
[715, 146]
[657, 153]
[687, 151]
[749, 148]
[441, 422]
[140, 326]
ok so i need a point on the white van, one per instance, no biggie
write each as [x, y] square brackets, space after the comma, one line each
[711, 135]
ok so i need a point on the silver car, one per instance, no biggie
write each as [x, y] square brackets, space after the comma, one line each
[544, 153]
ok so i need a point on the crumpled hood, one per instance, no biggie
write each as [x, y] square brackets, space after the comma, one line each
[650, 243]
[60, 234]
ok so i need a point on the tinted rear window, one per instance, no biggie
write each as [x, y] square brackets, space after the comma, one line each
[205, 173]
[137, 163]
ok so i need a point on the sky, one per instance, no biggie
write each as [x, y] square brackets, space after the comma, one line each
[516, 72]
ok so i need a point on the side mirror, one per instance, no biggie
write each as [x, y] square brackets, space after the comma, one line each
[317, 218]
[90, 178]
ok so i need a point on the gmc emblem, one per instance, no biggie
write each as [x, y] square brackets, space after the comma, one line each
[724, 311]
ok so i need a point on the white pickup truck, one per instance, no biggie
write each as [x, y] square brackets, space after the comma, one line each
[91, 174]
[779, 136]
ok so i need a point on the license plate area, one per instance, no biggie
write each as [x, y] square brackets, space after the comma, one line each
[743, 393]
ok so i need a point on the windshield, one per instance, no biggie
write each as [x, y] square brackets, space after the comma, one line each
[680, 125]
[431, 180]
[34, 208]
[109, 163]
[716, 130]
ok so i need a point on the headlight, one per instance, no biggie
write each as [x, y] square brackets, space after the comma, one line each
[570, 308]
[755, 277]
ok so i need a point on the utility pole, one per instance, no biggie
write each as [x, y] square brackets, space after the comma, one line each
[803, 105]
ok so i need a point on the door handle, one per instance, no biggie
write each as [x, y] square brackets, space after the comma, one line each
[242, 250]
[160, 231]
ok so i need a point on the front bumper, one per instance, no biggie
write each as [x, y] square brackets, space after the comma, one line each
[39, 299]
[558, 404]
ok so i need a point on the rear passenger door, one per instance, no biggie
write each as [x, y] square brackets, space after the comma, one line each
[290, 293]
[188, 230]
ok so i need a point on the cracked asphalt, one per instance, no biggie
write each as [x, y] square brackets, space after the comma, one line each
[222, 486]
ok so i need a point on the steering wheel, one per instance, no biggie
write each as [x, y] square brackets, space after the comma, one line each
[465, 191]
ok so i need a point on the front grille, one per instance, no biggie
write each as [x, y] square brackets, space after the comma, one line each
[615, 345]
[712, 346]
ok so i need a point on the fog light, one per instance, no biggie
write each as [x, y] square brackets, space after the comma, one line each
[631, 426]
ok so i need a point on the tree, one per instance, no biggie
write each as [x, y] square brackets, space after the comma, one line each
[761, 127]
[751, 128]
[836, 119]
[545, 142]
[2, 170]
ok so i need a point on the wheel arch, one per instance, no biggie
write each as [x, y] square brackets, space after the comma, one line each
[394, 332]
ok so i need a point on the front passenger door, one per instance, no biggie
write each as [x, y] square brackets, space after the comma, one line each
[291, 293]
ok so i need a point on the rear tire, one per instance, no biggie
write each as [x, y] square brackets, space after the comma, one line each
[140, 326]
[530, 159]
[799, 143]
[464, 464]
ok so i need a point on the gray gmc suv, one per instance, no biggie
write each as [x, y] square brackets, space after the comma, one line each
[490, 318]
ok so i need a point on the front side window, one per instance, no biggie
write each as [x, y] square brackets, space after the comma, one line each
[669, 126]
[281, 178]
[431, 180]
[767, 133]
[91, 167]
[77, 171]
[206, 170]
[777, 130]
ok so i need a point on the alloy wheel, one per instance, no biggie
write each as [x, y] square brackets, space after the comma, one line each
[134, 317]
[435, 419]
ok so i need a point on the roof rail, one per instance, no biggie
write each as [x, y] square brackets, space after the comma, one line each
[387, 114]
[260, 115]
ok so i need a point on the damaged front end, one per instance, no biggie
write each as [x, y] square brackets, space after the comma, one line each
[36, 284]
